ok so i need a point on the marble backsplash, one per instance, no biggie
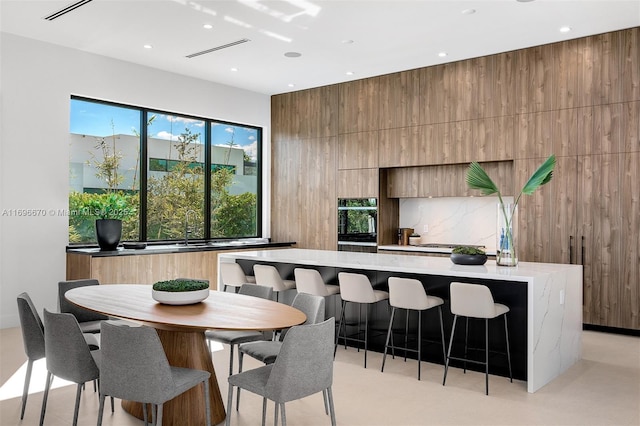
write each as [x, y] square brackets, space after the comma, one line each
[455, 220]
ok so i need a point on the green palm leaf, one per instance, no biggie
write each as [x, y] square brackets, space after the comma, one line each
[477, 178]
[541, 176]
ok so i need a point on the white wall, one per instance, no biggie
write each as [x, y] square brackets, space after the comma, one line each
[36, 82]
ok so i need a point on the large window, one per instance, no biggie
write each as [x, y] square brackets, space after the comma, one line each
[117, 149]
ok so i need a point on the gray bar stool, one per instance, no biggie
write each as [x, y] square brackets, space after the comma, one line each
[356, 288]
[475, 301]
[232, 275]
[409, 294]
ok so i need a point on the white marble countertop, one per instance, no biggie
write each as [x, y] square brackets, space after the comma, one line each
[525, 271]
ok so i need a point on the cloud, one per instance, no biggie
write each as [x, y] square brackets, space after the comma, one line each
[251, 150]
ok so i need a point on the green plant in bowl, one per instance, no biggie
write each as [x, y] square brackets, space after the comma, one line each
[468, 250]
[464, 255]
[181, 285]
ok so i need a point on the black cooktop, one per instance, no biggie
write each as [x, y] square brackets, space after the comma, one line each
[449, 246]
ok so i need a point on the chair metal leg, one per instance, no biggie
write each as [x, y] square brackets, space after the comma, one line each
[486, 355]
[224, 288]
[332, 408]
[444, 350]
[206, 401]
[227, 420]
[101, 410]
[360, 331]
[158, 418]
[240, 360]
[275, 415]
[344, 304]
[419, 340]
[46, 396]
[264, 411]
[25, 391]
[466, 336]
[506, 332]
[284, 415]
[366, 334]
[386, 345]
[325, 401]
[231, 359]
[446, 364]
[145, 415]
[77, 406]
[406, 333]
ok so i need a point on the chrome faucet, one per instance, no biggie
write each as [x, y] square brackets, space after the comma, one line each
[186, 226]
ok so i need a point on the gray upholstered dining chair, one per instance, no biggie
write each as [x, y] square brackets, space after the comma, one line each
[89, 321]
[267, 351]
[68, 356]
[135, 367]
[236, 337]
[304, 366]
[33, 340]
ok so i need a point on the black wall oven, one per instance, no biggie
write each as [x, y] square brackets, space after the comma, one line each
[357, 224]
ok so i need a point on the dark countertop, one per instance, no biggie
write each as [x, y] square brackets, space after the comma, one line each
[178, 248]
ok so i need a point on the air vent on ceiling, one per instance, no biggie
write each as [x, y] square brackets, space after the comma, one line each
[223, 46]
[66, 10]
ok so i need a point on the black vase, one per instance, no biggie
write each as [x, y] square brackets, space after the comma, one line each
[108, 233]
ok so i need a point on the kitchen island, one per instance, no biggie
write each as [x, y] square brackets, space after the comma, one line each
[545, 299]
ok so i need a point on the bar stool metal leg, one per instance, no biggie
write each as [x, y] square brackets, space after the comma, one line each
[506, 331]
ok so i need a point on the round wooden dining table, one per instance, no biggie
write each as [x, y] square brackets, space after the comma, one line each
[181, 330]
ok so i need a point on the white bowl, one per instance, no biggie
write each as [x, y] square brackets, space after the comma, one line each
[180, 297]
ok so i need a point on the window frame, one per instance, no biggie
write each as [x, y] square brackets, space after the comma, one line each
[144, 160]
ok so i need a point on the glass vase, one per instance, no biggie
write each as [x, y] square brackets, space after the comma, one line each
[506, 235]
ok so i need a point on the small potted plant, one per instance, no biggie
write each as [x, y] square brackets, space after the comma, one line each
[180, 291]
[464, 255]
[109, 209]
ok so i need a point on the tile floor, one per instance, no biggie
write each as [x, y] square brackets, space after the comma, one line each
[601, 389]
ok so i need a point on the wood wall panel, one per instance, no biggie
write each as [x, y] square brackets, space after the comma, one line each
[504, 85]
[399, 103]
[629, 288]
[359, 105]
[444, 180]
[305, 114]
[630, 127]
[358, 183]
[600, 222]
[431, 94]
[406, 146]
[303, 192]
[358, 150]
[565, 74]
[534, 79]
[630, 74]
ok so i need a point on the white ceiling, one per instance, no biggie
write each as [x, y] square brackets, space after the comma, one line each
[387, 35]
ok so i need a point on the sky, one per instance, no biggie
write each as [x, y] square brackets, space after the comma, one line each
[96, 119]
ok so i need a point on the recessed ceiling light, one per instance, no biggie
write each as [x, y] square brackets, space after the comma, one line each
[148, 46]
[347, 41]
[442, 54]
[565, 29]
[207, 26]
[349, 73]
[291, 85]
[234, 69]
[524, 1]
[468, 11]
[293, 54]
